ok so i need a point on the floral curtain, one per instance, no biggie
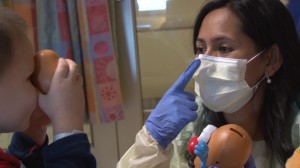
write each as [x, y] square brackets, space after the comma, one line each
[79, 30]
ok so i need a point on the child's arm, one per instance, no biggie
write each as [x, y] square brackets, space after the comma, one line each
[64, 105]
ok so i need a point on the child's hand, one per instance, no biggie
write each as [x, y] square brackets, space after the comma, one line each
[37, 126]
[64, 103]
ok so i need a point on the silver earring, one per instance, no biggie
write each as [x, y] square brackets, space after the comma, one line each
[269, 81]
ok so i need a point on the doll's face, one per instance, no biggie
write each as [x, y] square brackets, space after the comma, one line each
[18, 98]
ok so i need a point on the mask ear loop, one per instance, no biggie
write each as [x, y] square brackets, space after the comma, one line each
[266, 76]
[251, 59]
[257, 84]
[269, 81]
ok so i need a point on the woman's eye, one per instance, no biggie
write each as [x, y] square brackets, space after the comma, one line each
[200, 50]
[225, 50]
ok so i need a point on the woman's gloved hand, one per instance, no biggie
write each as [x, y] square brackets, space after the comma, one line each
[175, 109]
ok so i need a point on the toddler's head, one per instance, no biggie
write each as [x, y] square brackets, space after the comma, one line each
[18, 97]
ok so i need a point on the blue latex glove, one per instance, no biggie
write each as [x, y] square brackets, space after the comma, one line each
[201, 150]
[175, 109]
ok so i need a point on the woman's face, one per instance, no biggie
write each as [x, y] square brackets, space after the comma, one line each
[221, 35]
[18, 97]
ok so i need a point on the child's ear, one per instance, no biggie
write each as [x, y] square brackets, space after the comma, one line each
[274, 60]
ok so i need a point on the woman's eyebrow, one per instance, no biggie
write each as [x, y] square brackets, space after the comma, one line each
[216, 39]
[222, 38]
[200, 40]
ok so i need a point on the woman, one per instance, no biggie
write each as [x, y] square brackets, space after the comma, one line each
[261, 85]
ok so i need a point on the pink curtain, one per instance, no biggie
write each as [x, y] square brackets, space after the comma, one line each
[79, 30]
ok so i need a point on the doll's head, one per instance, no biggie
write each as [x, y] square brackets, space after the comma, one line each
[228, 147]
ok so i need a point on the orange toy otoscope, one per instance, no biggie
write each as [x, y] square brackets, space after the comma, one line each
[228, 147]
[45, 66]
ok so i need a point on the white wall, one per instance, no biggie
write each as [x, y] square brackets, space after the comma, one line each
[165, 48]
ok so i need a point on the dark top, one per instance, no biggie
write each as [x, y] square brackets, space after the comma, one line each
[69, 152]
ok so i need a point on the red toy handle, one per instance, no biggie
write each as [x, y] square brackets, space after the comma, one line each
[191, 146]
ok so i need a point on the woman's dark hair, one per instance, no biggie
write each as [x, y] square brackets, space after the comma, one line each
[267, 22]
[11, 25]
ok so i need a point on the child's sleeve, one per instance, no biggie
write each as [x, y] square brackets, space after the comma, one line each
[26, 150]
[72, 151]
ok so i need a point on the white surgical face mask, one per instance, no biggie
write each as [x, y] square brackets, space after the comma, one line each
[220, 82]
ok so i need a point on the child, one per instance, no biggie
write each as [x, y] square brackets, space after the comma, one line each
[27, 112]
